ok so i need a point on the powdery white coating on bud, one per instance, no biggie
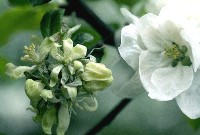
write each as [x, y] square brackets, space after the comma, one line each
[17, 72]
[69, 53]
[33, 89]
[48, 120]
[54, 83]
[63, 120]
[96, 77]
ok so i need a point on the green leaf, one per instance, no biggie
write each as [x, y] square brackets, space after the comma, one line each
[51, 22]
[195, 124]
[20, 18]
[18, 2]
[54, 75]
[127, 2]
[82, 38]
[86, 29]
[38, 2]
[3, 62]
[48, 120]
[63, 120]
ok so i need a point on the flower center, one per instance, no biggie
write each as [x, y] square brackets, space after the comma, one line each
[177, 54]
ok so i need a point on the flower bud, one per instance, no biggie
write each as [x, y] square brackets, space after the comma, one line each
[78, 67]
[96, 77]
[33, 89]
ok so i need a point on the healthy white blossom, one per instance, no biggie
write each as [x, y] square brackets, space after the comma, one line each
[165, 51]
[185, 7]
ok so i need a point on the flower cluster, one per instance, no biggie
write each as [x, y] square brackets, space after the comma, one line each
[62, 77]
[164, 50]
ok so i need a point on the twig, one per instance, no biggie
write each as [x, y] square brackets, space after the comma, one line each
[109, 118]
[83, 11]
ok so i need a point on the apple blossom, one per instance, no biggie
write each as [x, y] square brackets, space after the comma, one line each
[165, 51]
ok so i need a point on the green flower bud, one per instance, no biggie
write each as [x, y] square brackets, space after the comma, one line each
[96, 77]
[79, 51]
[78, 67]
[46, 94]
[33, 89]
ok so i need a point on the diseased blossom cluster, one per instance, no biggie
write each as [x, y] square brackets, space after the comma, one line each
[164, 50]
[62, 77]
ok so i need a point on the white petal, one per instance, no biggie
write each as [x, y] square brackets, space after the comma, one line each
[130, 18]
[171, 81]
[189, 101]
[148, 28]
[148, 63]
[170, 31]
[129, 49]
[192, 37]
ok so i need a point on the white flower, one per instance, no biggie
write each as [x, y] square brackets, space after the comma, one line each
[185, 7]
[166, 53]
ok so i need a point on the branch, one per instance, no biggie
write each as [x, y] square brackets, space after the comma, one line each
[109, 118]
[84, 12]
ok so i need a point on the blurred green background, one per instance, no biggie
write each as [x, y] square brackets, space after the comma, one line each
[143, 116]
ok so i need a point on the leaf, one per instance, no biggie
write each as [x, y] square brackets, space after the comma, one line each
[18, 2]
[54, 75]
[82, 38]
[86, 29]
[195, 124]
[45, 48]
[90, 104]
[20, 18]
[51, 22]
[3, 62]
[69, 92]
[127, 2]
[48, 120]
[63, 120]
[38, 2]
[71, 31]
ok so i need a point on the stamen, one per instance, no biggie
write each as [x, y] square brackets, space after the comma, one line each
[177, 55]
